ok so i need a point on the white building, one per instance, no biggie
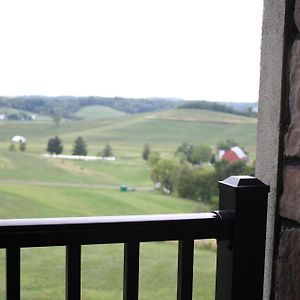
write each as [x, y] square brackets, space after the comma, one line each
[18, 139]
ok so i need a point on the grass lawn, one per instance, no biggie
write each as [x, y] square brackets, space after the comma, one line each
[34, 186]
[30, 201]
[102, 264]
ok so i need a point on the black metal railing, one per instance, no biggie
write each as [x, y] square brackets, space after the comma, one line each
[239, 227]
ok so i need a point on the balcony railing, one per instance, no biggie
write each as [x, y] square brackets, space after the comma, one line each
[239, 226]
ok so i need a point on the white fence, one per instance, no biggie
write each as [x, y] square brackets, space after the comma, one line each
[79, 157]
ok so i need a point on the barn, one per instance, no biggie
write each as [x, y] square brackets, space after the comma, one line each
[233, 154]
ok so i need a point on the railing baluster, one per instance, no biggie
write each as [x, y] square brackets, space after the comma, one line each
[131, 271]
[185, 270]
[73, 272]
[13, 273]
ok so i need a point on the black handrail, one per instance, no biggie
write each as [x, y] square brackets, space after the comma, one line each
[239, 227]
[115, 229]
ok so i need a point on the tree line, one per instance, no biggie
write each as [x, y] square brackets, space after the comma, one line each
[18, 116]
[69, 105]
[215, 106]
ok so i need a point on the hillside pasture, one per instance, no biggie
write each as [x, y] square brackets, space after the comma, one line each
[197, 115]
[98, 112]
[164, 135]
[127, 134]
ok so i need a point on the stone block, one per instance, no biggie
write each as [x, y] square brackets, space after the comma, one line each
[288, 266]
[292, 138]
[290, 200]
[297, 14]
[292, 142]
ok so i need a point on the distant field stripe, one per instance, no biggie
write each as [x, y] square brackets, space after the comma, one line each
[68, 184]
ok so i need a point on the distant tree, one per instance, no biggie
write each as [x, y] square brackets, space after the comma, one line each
[55, 145]
[153, 158]
[201, 154]
[205, 185]
[166, 172]
[185, 185]
[196, 184]
[146, 151]
[184, 151]
[107, 151]
[80, 147]
[56, 117]
[12, 147]
[227, 144]
[22, 147]
[225, 169]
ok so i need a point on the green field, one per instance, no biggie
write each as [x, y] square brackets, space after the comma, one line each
[102, 265]
[98, 112]
[127, 134]
[34, 186]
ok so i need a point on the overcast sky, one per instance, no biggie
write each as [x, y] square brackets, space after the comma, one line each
[187, 49]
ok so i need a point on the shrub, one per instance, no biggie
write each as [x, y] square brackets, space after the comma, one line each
[22, 147]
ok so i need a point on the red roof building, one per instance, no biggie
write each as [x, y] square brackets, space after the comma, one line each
[233, 154]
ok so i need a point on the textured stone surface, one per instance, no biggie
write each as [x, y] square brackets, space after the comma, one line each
[288, 266]
[290, 200]
[293, 136]
[292, 144]
[297, 14]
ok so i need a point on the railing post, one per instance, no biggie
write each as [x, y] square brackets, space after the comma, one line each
[240, 261]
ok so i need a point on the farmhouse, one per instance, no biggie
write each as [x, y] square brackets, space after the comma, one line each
[233, 154]
[18, 139]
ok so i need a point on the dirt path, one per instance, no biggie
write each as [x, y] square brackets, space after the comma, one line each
[70, 184]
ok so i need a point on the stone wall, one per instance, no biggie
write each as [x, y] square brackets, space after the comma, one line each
[287, 263]
[270, 126]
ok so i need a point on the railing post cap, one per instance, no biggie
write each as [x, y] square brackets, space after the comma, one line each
[243, 182]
